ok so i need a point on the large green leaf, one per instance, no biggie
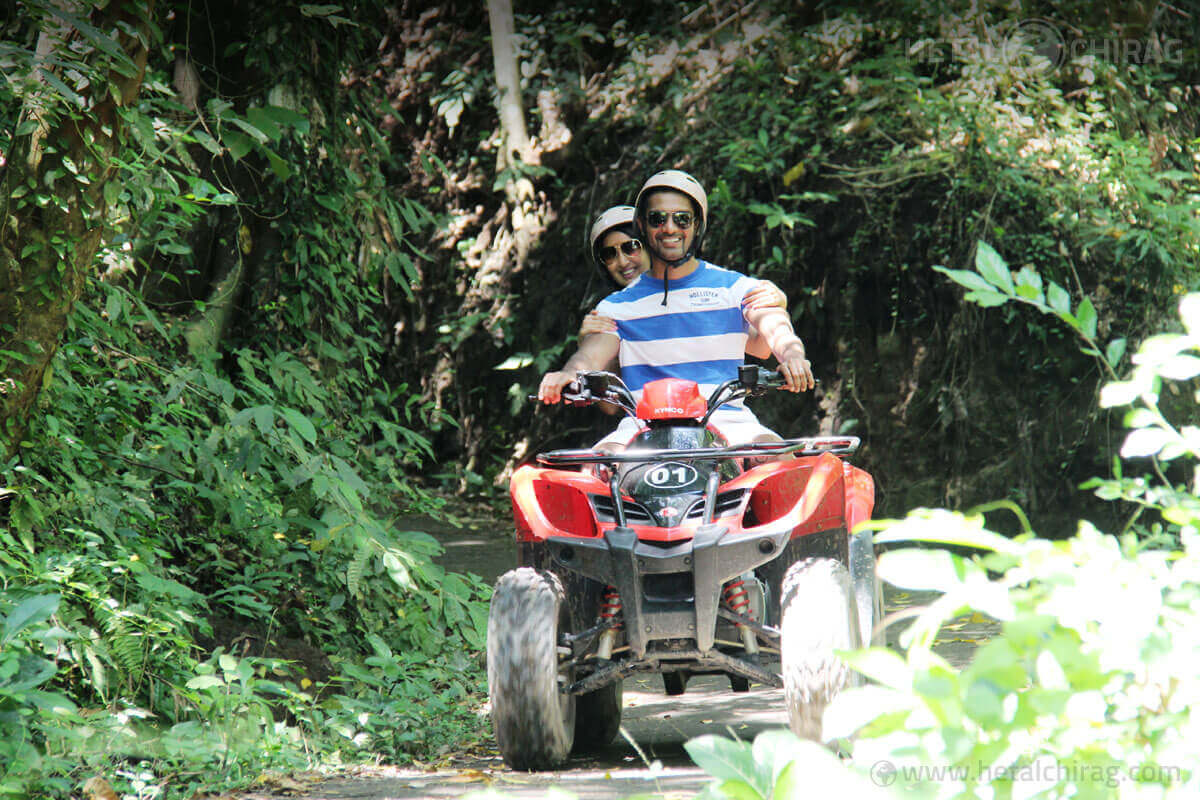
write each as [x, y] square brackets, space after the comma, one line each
[1086, 315]
[940, 526]
[30, 671]
[966, 278]
[726, 759]
[1058, 298]
[1114, 352]
[29, 612]
[882, 666]
[916, 568]
[987, 299]
[993, 268]
[300, 424]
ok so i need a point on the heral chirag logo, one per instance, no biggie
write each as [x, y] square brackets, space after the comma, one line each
[1035, 43]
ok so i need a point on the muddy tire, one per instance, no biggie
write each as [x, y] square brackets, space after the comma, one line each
[598, 717]
[819, 616]
[533, 720]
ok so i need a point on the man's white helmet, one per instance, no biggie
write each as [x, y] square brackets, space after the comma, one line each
[681, 182]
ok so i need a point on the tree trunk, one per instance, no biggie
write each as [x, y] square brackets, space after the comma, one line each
[54, 196]
[508, 85]
[501, 251]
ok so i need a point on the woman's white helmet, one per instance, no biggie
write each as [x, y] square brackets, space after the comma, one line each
[613, 217]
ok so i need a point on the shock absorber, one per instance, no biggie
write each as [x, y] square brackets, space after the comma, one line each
[610, 610]
[738, 600]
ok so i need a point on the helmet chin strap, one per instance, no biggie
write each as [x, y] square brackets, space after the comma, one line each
[671, 263]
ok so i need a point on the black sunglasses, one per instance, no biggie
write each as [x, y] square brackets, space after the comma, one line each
[628, 247]
[682, 219]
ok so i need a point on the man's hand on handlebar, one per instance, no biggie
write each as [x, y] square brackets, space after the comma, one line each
[797, 372]
[550, 390]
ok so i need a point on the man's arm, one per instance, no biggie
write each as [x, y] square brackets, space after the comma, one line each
[757, 346]
[775, 328]
[764, 294]
[594, 353]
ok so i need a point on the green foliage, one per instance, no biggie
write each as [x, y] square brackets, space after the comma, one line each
[214, 533]
[1080, 692]
[28, 712]
[397, 698]
[1087, 691]
[176, 499]
[992, 284]
[1161, 356]
[777, 765]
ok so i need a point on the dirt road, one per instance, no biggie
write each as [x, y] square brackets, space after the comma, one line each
[658, 725]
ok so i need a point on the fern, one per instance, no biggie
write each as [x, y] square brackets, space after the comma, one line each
[356, 568]
[126, 643]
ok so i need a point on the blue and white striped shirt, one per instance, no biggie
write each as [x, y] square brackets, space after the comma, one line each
[699, 335]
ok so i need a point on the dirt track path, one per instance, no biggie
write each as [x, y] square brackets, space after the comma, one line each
[660, 725]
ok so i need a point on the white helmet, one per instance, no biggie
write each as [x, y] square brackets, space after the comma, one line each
[617, 215]
[678, 181]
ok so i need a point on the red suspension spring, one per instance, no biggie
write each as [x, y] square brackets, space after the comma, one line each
[611, 606]
[737, 598]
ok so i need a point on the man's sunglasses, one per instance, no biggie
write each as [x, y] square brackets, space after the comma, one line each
[682, 219]
[628, 247]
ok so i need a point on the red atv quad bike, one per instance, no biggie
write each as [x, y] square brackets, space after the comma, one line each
[672, 557]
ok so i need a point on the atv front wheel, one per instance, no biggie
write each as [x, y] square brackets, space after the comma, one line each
[818, 617]
[533, 719]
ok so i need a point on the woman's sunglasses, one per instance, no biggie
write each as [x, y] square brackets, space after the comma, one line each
[627, 247]
[682, 219]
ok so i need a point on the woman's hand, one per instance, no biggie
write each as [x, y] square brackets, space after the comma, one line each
[765, 295]
[594, 323]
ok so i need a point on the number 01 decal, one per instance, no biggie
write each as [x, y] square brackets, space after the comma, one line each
[671, 475]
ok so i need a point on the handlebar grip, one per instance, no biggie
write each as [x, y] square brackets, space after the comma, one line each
[565, 397]
[770, 378]
[572, 394]
[777, 379]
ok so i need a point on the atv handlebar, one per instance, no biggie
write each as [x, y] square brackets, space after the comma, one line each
[837, 445]
[599, 386]
[594, 387]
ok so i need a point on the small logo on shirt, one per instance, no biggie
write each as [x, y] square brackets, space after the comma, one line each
[704, 297]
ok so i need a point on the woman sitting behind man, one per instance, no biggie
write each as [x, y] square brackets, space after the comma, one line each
[620, 257]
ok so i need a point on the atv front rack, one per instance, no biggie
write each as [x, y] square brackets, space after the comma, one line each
[838, 445]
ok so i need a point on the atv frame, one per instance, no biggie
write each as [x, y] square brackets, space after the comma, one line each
[679, 560]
